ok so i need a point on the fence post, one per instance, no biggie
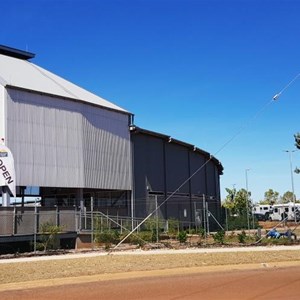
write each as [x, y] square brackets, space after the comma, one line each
[92, 223]
[76, 221]
[156, 212]
[195, 209]
[259, 232]
[85, 223]
[207, 216]
[14, 222]
[35, 227]
[204, 214]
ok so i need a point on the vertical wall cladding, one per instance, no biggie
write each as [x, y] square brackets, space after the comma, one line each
[148, 168]
[2, 112]
[106, 149]
[211, 178]
[197, 166]
[61, 143]
[177, 167]
[162, 165]
[213, 190]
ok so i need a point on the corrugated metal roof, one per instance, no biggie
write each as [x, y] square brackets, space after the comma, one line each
[26, 75]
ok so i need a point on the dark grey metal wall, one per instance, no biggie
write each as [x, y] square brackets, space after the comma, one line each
[161, 165]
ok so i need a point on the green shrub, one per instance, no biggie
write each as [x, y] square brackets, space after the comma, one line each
[240, 222]
[173, 226]
[242, 237]
[155, 235]
[219, 237]
[201, 232]
[182, 236]
[272, 241]
[49, 236]
[107, 236]
[237, 222]
[138, 238]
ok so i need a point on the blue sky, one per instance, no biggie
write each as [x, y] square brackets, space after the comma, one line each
[195, 70]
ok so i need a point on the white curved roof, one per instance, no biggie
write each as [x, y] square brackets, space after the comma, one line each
[24, 74]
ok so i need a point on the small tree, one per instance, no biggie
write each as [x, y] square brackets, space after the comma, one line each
[287, 197]
[237, 202]
[49, 236]
[219, 237]
[271, 197]
[229, 200]
[297, 144]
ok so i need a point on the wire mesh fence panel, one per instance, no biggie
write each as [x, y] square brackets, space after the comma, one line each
[46, 216]
[7, 222]
[188, 212]
[24, 220]
[67, 220]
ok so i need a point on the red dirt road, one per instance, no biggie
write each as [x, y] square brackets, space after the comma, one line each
[262, 283]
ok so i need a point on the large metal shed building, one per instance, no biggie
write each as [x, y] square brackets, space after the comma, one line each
[71, 146]
[66, 141]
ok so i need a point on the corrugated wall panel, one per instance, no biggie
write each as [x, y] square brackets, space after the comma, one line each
[2, 112]
[198, 181]
[62, 143]
[111, 164]
[177, 167]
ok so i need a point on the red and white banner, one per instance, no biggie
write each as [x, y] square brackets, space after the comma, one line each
[7, 169]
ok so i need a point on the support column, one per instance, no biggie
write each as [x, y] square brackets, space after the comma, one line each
[5, 196]
[79, 199]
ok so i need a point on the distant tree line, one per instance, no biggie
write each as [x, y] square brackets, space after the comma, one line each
[238, 202]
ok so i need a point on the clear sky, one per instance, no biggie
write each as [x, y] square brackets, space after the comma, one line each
[196, 70]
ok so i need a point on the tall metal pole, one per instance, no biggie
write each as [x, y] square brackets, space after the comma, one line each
[204, 214]
[157, 237]
[247, 199]
[207, 218]
[292, 180]
[35, 227]
[92, 223]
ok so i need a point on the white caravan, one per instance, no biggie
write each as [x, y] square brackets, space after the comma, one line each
[287, 210]
[262, 211]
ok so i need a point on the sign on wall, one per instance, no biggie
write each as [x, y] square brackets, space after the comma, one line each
[7, 169]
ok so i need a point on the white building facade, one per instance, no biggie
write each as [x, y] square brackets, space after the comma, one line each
[61, 135]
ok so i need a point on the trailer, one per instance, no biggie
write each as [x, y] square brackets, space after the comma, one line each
[262, 211]
[286, 211]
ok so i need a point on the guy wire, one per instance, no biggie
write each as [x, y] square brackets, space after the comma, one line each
[275, 98]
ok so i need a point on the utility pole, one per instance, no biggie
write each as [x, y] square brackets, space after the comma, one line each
[247, 199]
[292, 180]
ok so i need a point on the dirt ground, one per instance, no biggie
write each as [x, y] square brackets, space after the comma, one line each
[263, 283]
[23, 279]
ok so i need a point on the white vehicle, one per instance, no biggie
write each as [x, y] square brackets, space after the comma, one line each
[287, 210]
[262, 211]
